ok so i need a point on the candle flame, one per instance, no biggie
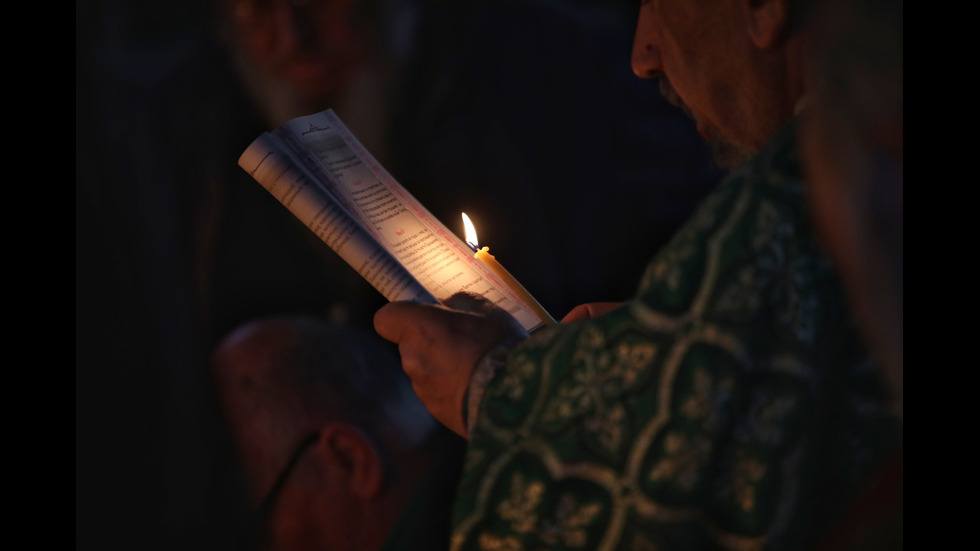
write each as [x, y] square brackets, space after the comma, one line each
[470, 231]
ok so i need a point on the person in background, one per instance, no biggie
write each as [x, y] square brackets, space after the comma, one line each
[336, 450]
[289, 59]
[465, 121]
[853, 143]
[852, 147]
[729, 404]
[507, 105]
[297, 58]
[471, 107]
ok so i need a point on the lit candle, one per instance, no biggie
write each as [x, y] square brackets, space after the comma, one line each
[484, 256]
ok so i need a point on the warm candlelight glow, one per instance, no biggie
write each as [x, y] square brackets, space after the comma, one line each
[488, 260]
[470, 232]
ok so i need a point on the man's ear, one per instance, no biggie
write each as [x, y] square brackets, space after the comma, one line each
[356, 455]
[768, 22]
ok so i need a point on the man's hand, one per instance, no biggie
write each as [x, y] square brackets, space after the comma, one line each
[589, 310]
[441, 345]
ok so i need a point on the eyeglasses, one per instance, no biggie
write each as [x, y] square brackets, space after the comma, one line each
[261, 513]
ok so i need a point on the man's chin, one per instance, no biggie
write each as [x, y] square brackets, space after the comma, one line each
[726, 153]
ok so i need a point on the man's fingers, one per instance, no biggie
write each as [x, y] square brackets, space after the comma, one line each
[482, 306]
[425, 329]
[388, 320]
[439, 348]
[401, 321]
[398, 321]
[470, 302]
[590, 310]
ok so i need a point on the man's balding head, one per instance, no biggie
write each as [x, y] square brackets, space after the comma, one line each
[289, 380]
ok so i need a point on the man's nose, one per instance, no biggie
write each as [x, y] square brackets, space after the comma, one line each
[646, 60]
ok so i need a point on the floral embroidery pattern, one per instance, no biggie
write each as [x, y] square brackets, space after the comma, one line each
[634, 412]
[707, 400]
[566, 526]
[682, 461]
[668, 267]
[686, 454]
[518, 509]
[781, 276]
[784, 273]
[748, 472]
[514, 381]
[597, 380]
[607, 426]
[490, 542]
[740, 297]
[768, 421]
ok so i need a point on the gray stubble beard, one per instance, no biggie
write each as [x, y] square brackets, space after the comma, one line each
[725, 152]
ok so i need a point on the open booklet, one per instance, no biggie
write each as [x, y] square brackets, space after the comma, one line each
[319, 171]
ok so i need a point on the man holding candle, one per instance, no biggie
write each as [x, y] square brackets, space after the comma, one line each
[730, 404]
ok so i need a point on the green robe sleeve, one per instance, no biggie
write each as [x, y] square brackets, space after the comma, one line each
[729, 405]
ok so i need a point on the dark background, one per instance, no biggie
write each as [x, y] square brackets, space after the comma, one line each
[598, 172]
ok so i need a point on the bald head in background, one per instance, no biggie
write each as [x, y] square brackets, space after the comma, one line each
[333, 442]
